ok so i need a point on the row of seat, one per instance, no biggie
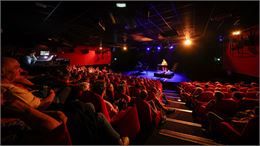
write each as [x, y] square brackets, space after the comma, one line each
[237, 98]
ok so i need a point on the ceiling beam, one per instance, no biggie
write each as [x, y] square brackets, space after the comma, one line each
[158, 13]
[46, 18]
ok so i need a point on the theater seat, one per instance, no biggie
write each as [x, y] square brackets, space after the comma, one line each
[97, 101]
[144, 114]
[228, 106]
[126, 122]
[248, 103]
[11, 127]
[249, 135]
[252, 94]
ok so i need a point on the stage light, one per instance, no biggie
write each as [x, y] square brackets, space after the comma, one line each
[236, 32]
[113, 49]
[100, 48]
[121, 5]
[187, 42]
[158, 48]
[171, 47]
[124, 48]
[217, 59]
[115, 59]
[147, 49]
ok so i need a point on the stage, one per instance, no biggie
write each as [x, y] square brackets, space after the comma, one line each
[159, 75]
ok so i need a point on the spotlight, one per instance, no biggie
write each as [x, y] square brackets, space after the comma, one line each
[100, 48]
[158, 48]
[147, 49]
[124, 48]
[115, 59]
[171, 47]
[236, 32]
[187, 42]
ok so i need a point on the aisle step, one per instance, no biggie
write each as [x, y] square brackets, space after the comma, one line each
[177, 102]
[187, 137]
[184, 122]
[158, 139]
[180, 109]
[180, 114]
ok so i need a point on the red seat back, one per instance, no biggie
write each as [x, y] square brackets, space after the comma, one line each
[97, 101]
[206, 96]
[126, 122]
[144, 114]
[228, 106]
[252, 94]
[248, 103]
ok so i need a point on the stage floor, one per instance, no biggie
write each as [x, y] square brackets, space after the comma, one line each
[178, 77]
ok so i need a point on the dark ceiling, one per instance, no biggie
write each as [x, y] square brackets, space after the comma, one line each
[72, 23]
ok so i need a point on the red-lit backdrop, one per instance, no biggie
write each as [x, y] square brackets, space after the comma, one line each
[242, 53]
[85, 55]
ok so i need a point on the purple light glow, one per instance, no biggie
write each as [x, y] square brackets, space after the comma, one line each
[147, 49]
[158, 48]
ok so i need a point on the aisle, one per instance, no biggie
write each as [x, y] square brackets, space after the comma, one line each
[180, 128]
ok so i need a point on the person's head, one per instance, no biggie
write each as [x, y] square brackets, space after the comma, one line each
[32, 52]
[98, 87]
[198, 90]
[154, 90]
[237, 95]
[219, 95]
[121, 89]
[143, 94]
[254, 84]
[10, 68]
[233, 89]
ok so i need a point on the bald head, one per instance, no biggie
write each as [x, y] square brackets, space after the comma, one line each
[10, 68]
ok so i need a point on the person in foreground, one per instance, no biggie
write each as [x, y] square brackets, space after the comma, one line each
[10, 72]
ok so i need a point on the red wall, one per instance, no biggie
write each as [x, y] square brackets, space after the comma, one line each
[242, 53]
[79, 57]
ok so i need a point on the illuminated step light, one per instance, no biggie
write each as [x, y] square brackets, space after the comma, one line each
[121, 5]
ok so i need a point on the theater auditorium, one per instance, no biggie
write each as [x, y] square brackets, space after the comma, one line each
[130, 72]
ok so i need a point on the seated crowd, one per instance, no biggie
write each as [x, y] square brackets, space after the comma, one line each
[228, 112]
[77, 105]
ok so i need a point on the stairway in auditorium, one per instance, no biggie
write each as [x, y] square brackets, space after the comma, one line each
[180, 128]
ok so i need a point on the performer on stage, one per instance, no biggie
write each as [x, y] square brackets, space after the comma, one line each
[164, 65]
